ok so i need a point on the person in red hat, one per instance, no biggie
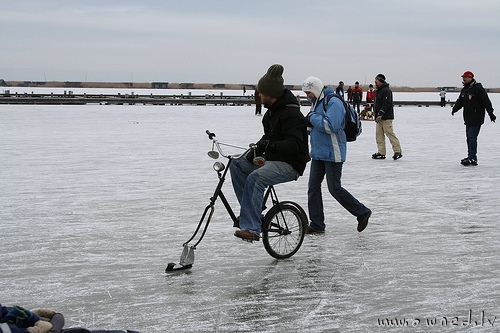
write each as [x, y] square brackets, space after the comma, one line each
[475, 102]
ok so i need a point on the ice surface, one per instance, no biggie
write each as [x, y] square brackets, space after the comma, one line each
[96, 200]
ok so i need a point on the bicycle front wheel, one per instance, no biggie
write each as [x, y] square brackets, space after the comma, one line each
[283, 230]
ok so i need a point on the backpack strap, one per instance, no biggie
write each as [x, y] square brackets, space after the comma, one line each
[326, 100]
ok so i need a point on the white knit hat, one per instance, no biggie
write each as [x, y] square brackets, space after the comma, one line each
[314, 85]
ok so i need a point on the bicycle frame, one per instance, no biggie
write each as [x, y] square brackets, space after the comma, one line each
[211, 207]
[187, 256]
[270, 192]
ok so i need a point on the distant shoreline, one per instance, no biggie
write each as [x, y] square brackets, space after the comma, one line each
[172, 85]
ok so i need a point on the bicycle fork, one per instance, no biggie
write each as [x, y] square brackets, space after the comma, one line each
[187, 255]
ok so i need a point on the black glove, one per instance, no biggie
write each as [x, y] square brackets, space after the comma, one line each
[453, 112]
[492, 117]
[307, 118]
[265, 145]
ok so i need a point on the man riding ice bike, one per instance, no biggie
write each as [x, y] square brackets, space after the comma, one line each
[281, 154]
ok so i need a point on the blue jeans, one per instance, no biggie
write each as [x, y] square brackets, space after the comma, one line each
[250, 182]
[472, 133]
[333, 172]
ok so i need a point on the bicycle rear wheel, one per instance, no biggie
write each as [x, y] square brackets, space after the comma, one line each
[283, 230]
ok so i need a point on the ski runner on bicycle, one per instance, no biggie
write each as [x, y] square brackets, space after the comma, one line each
[284, 146]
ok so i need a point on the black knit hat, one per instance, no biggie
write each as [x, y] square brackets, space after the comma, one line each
[271, 84]
[380, 77]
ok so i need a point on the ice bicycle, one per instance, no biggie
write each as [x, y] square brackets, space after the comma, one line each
[283, 224]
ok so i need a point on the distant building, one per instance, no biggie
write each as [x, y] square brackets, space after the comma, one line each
[159, 85]
[70, 84]
[447, 88]
[31, 84]
[187, 85]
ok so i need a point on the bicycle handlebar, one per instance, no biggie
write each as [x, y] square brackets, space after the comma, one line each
[211, 135]
[216, 143]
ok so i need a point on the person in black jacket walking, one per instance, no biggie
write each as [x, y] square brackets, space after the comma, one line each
[384, 116]
[475, 101]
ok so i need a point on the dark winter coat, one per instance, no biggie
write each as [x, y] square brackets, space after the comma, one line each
[383, 102]
[340, 91]
[286, 128]
[474, 99]
[357, 94]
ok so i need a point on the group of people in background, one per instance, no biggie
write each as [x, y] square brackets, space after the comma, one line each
[355, 95]
[285, 148]
[284, 145]
[380, 107]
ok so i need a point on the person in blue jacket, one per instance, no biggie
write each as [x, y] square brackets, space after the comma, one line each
[328, 153]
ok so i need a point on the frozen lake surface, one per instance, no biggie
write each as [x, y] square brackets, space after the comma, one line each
[96, 200]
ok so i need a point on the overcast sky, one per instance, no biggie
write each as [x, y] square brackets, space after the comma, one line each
[412, 42]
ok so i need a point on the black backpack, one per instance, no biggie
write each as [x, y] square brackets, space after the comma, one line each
[352, 126]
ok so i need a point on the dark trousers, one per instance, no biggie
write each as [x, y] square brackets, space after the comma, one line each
[258, 109]
[333, 172]
[472, 133]
[356, 104]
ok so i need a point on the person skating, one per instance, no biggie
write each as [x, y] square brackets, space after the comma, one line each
[340, 89]
[357, 96]
[442, 97]
[258, 103]
[328, 153]
[370, 94]
[475, 101]
[384, 117]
